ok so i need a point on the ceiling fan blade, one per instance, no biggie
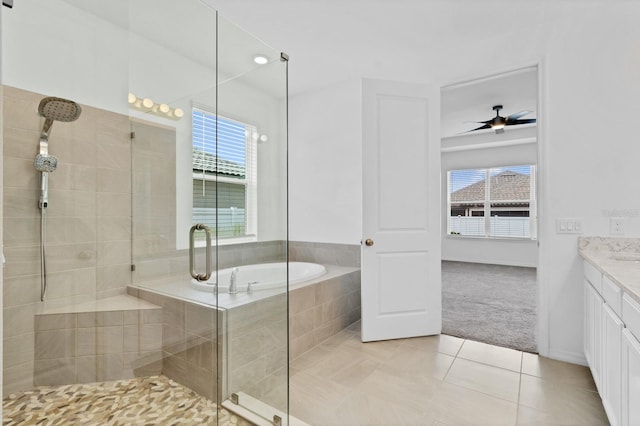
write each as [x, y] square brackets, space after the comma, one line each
[486, 126]
[479, 122]
[523, 121]
[517, 115]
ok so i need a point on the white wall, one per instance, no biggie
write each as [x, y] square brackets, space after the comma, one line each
[589, 118]
[325, 165]
[515, 252]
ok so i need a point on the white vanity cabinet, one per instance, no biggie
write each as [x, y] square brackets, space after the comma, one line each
[611, 349]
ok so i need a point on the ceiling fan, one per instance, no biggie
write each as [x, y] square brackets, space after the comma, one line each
[498, 122]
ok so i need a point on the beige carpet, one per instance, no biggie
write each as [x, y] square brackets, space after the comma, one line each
[153, 400]
[490, 303]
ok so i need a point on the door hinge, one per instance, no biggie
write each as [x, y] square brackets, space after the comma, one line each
[132, 135]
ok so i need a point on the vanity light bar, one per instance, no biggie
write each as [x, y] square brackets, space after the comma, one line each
[149, 106]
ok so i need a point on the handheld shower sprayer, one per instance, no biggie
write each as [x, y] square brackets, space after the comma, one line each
[52, 109]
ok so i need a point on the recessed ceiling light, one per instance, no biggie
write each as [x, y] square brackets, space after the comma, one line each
[260, 60]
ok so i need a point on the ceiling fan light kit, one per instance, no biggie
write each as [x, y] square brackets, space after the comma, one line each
[498, 123]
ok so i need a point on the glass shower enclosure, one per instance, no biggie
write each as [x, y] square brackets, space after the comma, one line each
[163, 241]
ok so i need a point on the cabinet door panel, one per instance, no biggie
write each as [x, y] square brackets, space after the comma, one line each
[612, 327]
[630, 379]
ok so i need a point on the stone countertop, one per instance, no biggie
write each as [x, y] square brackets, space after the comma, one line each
[617, 258]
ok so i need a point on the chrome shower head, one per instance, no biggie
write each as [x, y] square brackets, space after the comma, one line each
[57, 109]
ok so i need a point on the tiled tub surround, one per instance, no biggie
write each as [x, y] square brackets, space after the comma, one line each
[252, 329]
[616, 258]
[325, 253]
[88, 219]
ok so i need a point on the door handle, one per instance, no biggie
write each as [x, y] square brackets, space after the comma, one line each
[192, 253]
[368, 242]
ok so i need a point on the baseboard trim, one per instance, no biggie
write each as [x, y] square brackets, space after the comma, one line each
[566, 356]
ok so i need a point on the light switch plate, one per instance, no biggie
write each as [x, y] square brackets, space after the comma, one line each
[569, 225]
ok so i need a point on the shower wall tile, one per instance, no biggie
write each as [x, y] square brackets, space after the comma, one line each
[17, 350]
[69, 203]
[19, 320]
[67, 229]
[114, 156]
[109, 318]
[72, 177]
[109, 367]
[53, 372]
[114, 228]
[74, 283]
[21, 113]
[55, 344]
[20, 173]
[18, 231]
[113, 180]
[68, 257]
[113, 204]
[86, 369]
[112, 277]
[109, 340]
[55, 322]
[24, 145]
[19, 202]
[86, 257]
[114, 252]
[21, 291]
[86, 341]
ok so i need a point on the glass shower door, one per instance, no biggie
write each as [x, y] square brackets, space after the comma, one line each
[252, 183]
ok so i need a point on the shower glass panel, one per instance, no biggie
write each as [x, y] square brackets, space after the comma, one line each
[178, 127]
[252, 96]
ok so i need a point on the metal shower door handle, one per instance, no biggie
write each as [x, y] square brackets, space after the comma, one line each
[192, 252]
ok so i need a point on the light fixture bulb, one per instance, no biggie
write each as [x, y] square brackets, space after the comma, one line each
[178, 113]
[164, 108]
[147, 103]
[132, 98]
[260, 59]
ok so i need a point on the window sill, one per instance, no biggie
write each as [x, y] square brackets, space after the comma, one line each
[480, 237]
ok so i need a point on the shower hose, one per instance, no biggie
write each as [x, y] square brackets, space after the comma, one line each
[43, 265]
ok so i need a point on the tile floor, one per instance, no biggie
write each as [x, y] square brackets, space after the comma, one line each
[437, 380]
[154, 400]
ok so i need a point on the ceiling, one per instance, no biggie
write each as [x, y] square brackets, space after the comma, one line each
[473, 101]
[330, 41]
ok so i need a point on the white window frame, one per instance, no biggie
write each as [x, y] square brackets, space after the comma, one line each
[250, 182]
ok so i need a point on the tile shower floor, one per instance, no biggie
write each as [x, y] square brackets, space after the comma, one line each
[437, 380]
[153, 400]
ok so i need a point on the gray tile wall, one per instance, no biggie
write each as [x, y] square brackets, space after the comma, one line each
[88, 219]
[319, 311]
[97, 346]
[189, 352]
[325, 253]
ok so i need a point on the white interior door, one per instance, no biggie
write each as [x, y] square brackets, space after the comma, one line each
[401, 277]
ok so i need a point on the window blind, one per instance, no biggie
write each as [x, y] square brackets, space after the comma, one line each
[495, 202]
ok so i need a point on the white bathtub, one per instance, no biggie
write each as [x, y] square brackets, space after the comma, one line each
[264, 276]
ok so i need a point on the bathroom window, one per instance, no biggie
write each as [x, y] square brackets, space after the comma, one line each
[224, 175]
[495, 203]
